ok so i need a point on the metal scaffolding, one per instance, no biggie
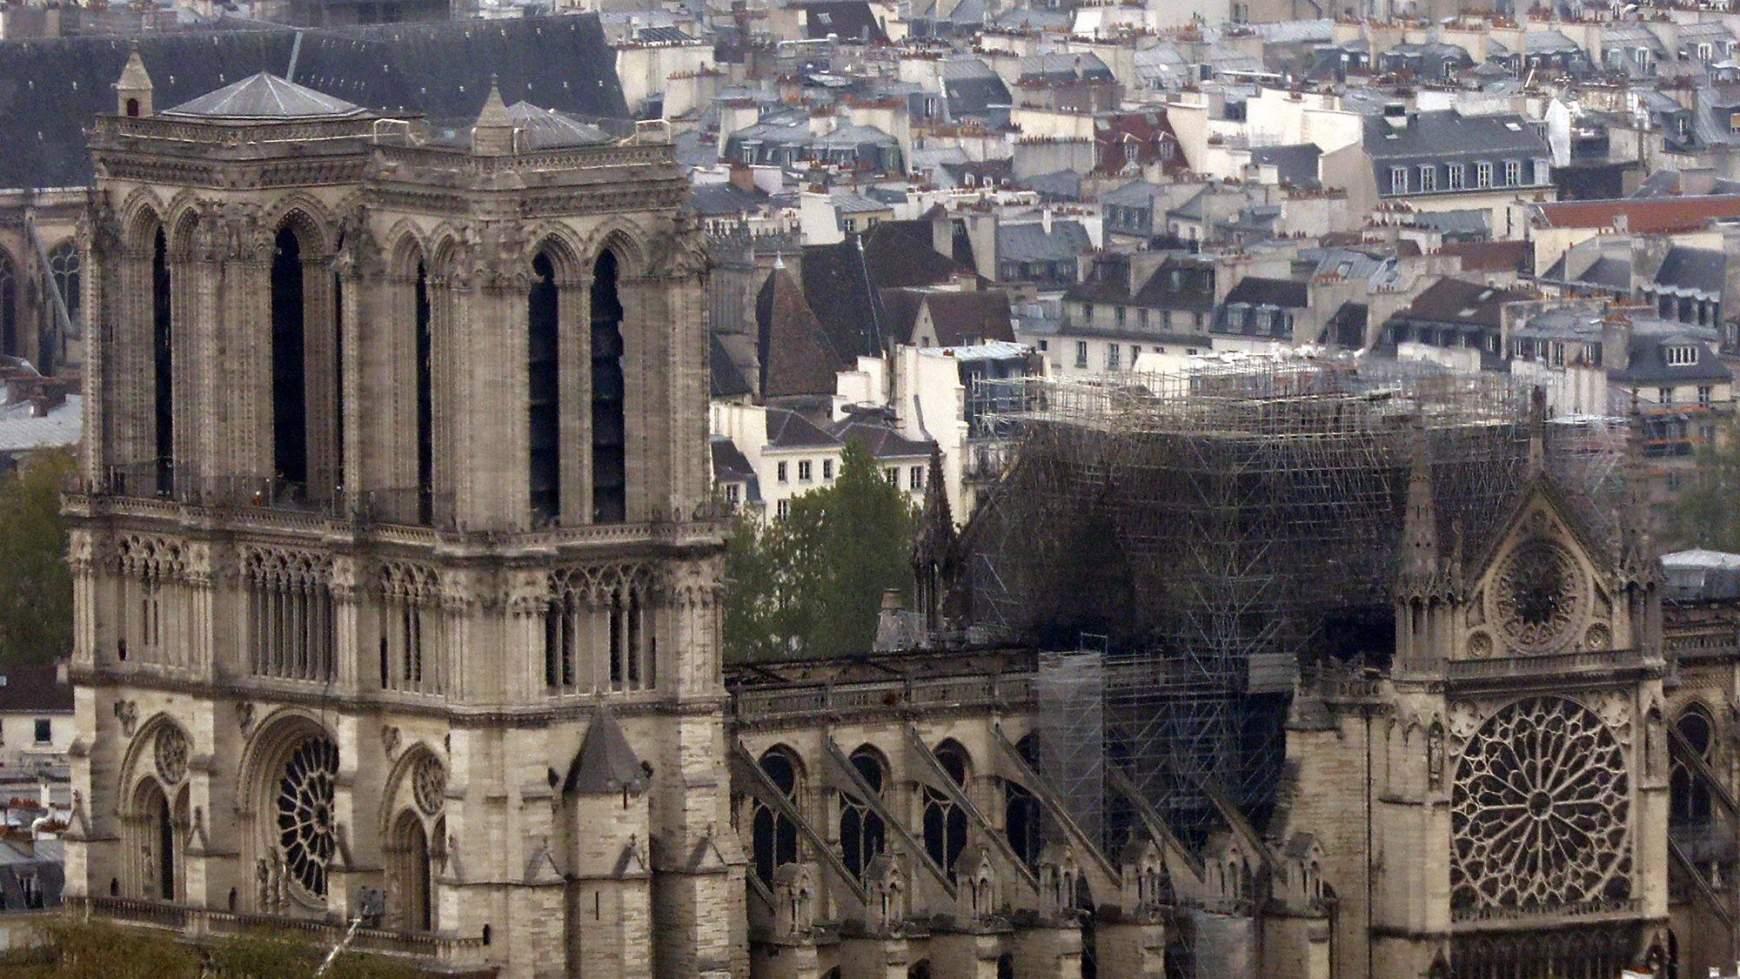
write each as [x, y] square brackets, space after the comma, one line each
[1224, 529]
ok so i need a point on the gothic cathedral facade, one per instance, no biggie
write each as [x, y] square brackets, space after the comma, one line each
[395, 567]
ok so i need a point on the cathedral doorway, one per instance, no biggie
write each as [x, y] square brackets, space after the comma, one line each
[411, 874]
[155, 843]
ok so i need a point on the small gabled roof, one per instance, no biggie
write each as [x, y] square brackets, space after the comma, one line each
[265, 97]
[606, 763]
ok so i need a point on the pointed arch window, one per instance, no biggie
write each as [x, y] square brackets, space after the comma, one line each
[11, 344]
[289, 381]
[945, 822]
[163, 359]
[65, 266]
[609, 434]
[774, 836]
[863, 835]
[544, 368]
[424, 352]
[1689, 800]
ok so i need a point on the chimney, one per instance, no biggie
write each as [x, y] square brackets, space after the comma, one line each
[741, 178]
[1615, 341]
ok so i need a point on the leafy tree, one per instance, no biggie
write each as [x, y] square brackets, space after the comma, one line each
[812, 584]
[1706, 512]
[35, 587]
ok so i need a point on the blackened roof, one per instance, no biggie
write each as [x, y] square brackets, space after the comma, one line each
[881, 441]
[842, 282]
[729, 463]
[712, 200]
[51, 89]
[962, 318]
[790, 430]
[850, 20]
[974, 96]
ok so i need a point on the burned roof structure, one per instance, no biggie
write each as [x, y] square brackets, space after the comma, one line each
[1221, 532]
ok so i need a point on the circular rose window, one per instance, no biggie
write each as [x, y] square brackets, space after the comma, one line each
[1538, 594]
[1540, 812]
[306, 835]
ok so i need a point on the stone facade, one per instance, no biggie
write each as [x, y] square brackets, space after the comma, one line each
[396, 575]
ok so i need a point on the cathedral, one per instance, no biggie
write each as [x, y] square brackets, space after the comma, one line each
[398, 577]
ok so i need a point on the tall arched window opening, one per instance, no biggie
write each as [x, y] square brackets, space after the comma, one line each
[1688, 796]
[945, 823]
[1021, 823]
[609, 434]
[289, 383]
[165, 850]
[163, 352]
[425, 399]
[545, 393]
[65, 266]
[415, 909]
[775, 836]
[337, 380]
[862, 833]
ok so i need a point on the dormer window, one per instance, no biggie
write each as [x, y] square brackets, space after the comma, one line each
[1682, 356]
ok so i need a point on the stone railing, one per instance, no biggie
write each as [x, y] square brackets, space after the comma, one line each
[194, 921]
[1703, 645]
[1551, 664]
[751, 705]
[1532, 917]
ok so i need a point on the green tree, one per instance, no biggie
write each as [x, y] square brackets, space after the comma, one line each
[812, 584]
[35, 587]
[1706, 512]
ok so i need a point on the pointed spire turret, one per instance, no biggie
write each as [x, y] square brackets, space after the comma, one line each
[932, 552]
[1636, 547]
[1421, 566]
[133, 89]
[1537, 458]
[493, 133]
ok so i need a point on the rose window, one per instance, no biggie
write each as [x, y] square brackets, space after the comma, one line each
[305, 817]
[1538, 593]
[1540, 812]
[171, 751]
[429, 785]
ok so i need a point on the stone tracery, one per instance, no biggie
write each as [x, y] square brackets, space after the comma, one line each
[1540, 812]
[304, 809]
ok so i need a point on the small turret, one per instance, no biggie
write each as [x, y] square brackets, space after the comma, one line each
[133, 89]
[1420, 565]
[493, 133]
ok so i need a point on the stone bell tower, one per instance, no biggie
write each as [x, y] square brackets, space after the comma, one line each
[396, 577]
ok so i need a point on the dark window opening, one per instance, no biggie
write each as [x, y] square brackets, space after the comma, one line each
[337, 381]
[545, 390]
[133, 108]
[1689, 801]
[1021, 823]
[609, 472]
[425, 402]
[163, 349]
[774, 835]
[289, 391]
[165, 851]
[863, 835]
[945, 823]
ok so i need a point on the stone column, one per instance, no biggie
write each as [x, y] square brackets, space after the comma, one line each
[574, 366]
[361, 331]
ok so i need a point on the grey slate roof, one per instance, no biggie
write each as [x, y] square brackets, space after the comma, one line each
[1648, 360]
[1066, 241]
[51, 89]
[1694, 269]
[1457, 223]
[1448, 133]
[264, 96]
[1259, 290]
[606, 764]
[547, 129]
[1295, 165]
[1061, 185]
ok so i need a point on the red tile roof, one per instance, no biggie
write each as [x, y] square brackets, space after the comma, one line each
[1648, 215]
[1491, 256]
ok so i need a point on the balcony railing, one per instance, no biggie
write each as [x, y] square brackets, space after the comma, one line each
[789, 702]
[442, 946]
[1531, 917]
[1550, 664]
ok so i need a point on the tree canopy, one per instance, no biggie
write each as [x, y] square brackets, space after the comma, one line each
[1706, 512]
[812, 584]
[36, 603]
